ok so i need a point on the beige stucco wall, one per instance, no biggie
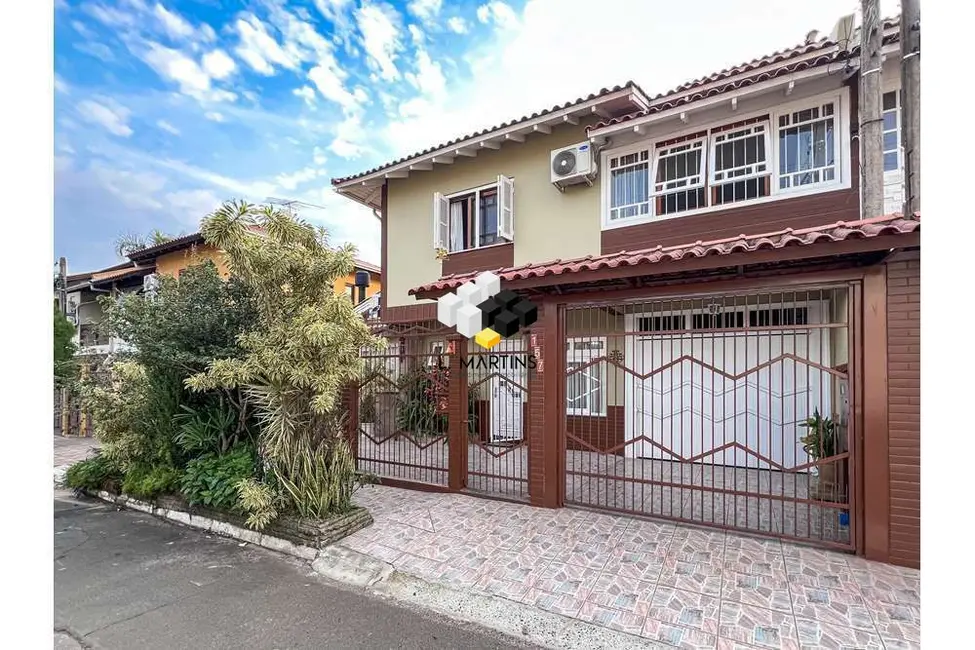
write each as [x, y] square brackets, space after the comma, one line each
[548, 224]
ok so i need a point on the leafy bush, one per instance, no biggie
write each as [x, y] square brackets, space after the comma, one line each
[417, 409]
[144, 482]
[65, 365]
[260, 501]
[212, 428]
[95, 473]
[212, 480]
[367, 410]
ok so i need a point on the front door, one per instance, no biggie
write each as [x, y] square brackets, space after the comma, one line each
[507, 391]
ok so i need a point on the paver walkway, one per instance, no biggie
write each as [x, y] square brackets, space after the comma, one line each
[684, 586]
[69, 450]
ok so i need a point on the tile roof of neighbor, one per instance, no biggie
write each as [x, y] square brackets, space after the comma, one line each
[117, 274]
[893, 224]
[679, 94]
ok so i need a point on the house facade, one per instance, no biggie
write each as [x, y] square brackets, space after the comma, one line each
[721, 337]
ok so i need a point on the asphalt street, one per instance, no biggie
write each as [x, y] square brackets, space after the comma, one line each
[125, 580]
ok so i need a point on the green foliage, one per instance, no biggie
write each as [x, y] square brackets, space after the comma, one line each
[212, 480]
[144, 482]
[65, 367]
[303, 350]
[131, 414]
[417, 409]
[260, 501]
[127, 244]
[367, 409]
[95, 473]
[822, 439]
[210, 429]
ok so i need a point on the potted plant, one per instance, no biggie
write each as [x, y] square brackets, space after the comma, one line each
[821, 442]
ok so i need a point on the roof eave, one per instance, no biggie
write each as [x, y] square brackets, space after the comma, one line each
[512, 133]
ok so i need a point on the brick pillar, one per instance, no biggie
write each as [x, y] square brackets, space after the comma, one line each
[350, 404]
[457, 413]
[546, 456]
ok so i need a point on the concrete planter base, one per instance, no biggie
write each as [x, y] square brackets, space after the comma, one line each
[291, 535]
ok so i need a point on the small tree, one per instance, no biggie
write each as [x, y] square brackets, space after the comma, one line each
[305, 349]
[65, 367]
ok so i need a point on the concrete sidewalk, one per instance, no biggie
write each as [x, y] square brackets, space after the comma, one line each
[128, 580]
[681, 586]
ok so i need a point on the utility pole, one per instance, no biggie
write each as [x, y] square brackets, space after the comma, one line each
[911, 103]
[63, 285]
[871, 118]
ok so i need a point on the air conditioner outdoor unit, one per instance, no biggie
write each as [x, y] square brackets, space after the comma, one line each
[572, 165]
[150, 283]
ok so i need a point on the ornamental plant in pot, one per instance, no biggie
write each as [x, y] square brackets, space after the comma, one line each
[821, 442]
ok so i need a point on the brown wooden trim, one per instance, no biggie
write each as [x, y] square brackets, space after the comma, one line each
[876, 474]
[682, 138]
[424, 311]
[742, 123]
[489, 258]
[457, 415]
[855, 373]
[384, 244]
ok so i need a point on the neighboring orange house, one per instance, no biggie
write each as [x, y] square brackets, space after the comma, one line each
[171, 257]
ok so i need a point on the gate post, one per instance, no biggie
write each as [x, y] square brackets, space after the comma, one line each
[546, 383]
[350, 402]
[457, 413]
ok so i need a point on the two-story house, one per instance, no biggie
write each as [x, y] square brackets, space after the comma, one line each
[721, 338]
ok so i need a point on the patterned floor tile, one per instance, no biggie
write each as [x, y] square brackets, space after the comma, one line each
[691, 551]
[732, 644]
[754, 544]
[817, 634]
[757, 626]
[634, 564]
[700, 577]
[684, 608]
[584, 554]
[622, 593]
[888, 615]
[510, 589]
[566, 579]
[614, 619]
[700, 536]
[834, 606]
[737, 560]
[760, 591]
[564, 604]
[384, 553]
[679, 636]
[908, 596]
[517, 568]
[826, 574]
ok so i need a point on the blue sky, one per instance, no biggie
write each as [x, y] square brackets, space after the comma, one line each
[165, 109]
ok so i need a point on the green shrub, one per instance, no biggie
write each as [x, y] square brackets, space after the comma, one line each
[212, 480]
[145, 482]
[211, 428]
[95, 473]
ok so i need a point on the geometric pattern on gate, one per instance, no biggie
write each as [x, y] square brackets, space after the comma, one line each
[482, 311]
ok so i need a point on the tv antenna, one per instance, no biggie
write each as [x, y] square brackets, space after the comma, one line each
[291, 204]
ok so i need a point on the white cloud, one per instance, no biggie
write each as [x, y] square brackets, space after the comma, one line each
[176, 66]
[97, 50]
[349, 139]
[425, 10]
[108, 114]
[307, 93]
[428, 78]
[109, 15]
[166, 126]
[318, 156]
[417, 35]
[498, 12]
[259, 49]
[135, 189]
[190, 206]
[457, 25]
[60, 85]
[172, 23]
[207, 33]
[255, 190]
[329, 78]
[84, 30]
[218, 64]
[300, 177]
[380, 27]
[214, 116]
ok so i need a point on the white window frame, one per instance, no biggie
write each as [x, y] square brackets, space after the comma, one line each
[793, 189]
[661, 152]
[498, 186]
[713, 181]
[619, 153]
[437, 349]
[897, 129]
[842, 147]
[582, 357]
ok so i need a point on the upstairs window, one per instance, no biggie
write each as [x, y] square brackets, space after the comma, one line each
[475, 218]
[679, 177]
[629, 194]
[807, 147]
[740, 167]
[892, 131]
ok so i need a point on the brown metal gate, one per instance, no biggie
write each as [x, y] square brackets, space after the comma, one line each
[732, 411]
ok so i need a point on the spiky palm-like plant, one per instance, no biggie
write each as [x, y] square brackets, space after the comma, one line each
[305, 349]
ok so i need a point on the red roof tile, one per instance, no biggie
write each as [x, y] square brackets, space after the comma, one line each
[894, 224]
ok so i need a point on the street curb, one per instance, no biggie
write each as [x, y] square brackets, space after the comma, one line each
[214, 526]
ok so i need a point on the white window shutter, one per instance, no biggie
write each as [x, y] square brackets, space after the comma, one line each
[441, 210]
[506, 208]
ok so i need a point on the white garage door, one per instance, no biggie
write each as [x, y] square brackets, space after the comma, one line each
[731, 397]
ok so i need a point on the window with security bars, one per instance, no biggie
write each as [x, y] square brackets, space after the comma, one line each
[585, 391]
[679, 178]
[661, 323]
[777, 317]
[629, 194]
[726, 320]
[892, 132]
[807, 146]
[740, 168]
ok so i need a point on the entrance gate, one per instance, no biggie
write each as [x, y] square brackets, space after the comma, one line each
[732, 411]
